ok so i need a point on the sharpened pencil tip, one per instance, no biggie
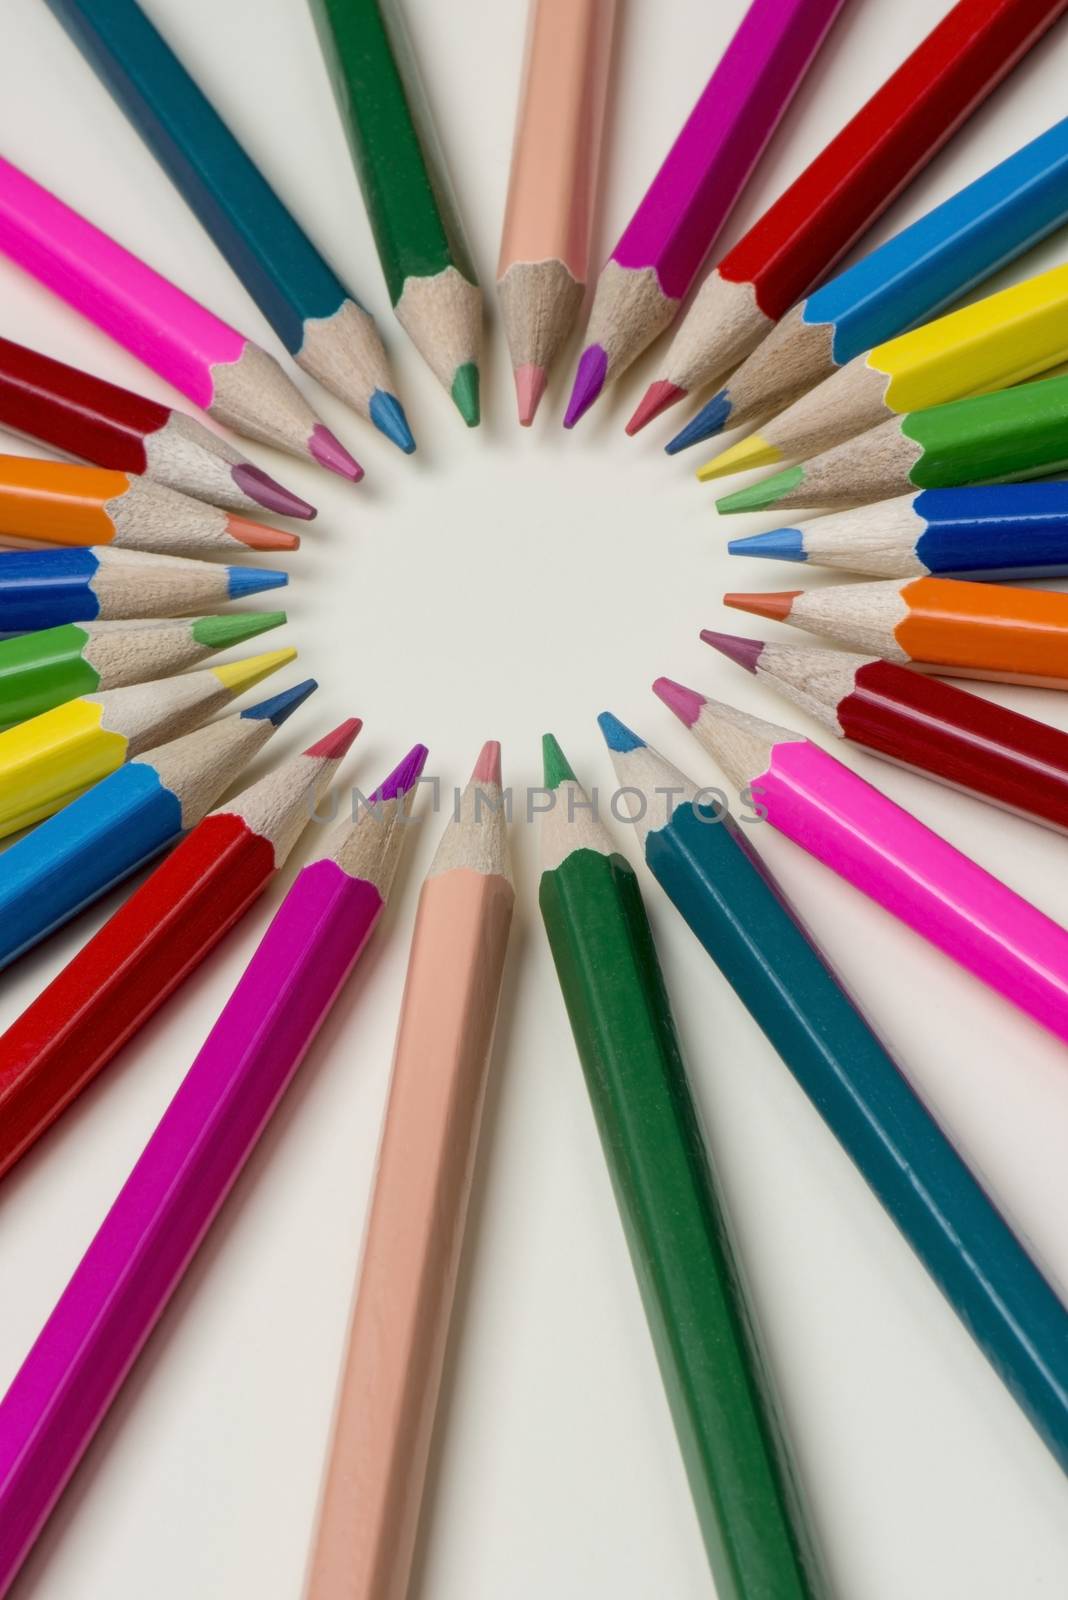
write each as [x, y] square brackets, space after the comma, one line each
[281, 706]
[589, 381]
[657, 398]
[237, 676]
[763, 495]
[258, 536]
[465, 393]
[387, 414]
[778, 544]
[333, 745]
[404, 775]
[331, 454]
[617, 736]
[488, 765]
[530, 381]
[776, 607]
[743, 652]
[713, 418]
[272, 496]
[686, 703]
[253, 580]
[745, 456]
[555, 765]
[219, 633]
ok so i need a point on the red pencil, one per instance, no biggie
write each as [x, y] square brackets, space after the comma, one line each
[850, 183]
[154, 941]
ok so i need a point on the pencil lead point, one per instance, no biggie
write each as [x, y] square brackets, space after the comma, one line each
[763, 495]
[555, 765]
[589, 381]
[281, 706]
[776, 607]
[237, 676]
[387, 414]
[743, 652]
[258, 536]
[686, 703]
[713, 418]
[530, 381]
[331, 454]
[269, 494]
[219, 633]
[617, 736]
[657, 398]
[241, 581]
[778, 544]
[488, 766]
[405, 775]
[745, 456]
[333, 745]
[465, 393]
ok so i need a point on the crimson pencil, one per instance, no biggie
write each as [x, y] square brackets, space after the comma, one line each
[153, 942]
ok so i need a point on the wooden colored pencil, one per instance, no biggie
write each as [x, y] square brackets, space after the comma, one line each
[145, 1243]
[48, 760]
[998, 530]
[45, 669]
[962, 630]
[989, 438]
[151, 944]
[678, 218]
[721, 1394]
[81, 415]
[737, 911]
[425, 258]
[850, 183]
[991, 344]
[889, 855]
[913, 276]
[59, 503]
[321, 323]
[545, 245]
[44, 588]
[391, 1370]
[211, 363]
[126, 819]
[915, 721]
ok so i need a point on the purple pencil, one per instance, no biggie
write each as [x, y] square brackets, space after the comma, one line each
[677, 220]
[136, 1260]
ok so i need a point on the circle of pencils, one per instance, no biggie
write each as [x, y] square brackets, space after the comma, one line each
[140, 1252]
[914, 721]
[707, 867]
[721, 1395]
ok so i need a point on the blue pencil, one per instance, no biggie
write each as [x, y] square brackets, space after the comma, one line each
[47, 588]
[1002, 530]
[320, 322]
[127, 818]
[905, 281]
[725, 893]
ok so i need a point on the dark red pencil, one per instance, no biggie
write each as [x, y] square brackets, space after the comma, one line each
[152, 942]
[946, 733]
[86, 417]
[850, 183]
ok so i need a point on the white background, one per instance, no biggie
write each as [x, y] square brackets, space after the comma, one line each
[500, 583]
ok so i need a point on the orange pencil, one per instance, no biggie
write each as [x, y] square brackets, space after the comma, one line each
[392, 1366]
[541, 275]
[57, 502]
[959, 629]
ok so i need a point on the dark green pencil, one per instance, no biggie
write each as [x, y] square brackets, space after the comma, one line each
[718, 1388]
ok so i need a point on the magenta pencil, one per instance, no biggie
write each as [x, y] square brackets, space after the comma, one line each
[136, 1260]
[667, 239]
[221, 371]
[888, 854]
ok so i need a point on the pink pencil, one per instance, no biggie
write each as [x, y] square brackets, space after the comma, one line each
[886, 853]
[682, 211]
[221, 371]
[136, 1260]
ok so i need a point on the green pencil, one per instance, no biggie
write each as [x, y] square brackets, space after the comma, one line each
[47, 668]
[417, 230]
[718, 1388]
[1002, 437]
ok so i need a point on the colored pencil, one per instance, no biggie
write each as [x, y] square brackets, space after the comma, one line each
[126, 819]
[211, 363]
[425, 258]
[545, 245]
[1001, 530]
[321, 323]
[49, 760]
[59, 503]
[43, 588]
[737, 911]
[913, 276]
[151, 944]
[962, 630]
[81, 415]
[391, 1370]
[663, 246]
[721, 1394]
[47, 668]
[141, 1250]
[988, 438]
[889, 855]
[851, 182]
[994, 342]
[915, 721]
